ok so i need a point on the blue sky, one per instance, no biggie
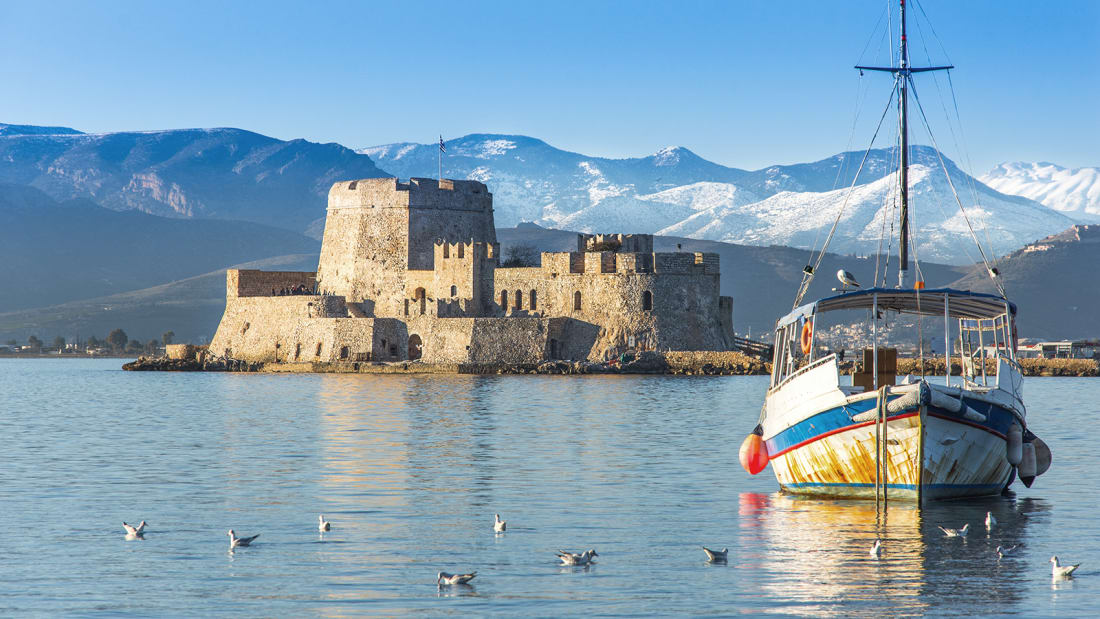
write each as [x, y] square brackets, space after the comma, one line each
[746, 84]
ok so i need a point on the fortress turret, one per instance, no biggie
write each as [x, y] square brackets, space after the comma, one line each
[379, 229]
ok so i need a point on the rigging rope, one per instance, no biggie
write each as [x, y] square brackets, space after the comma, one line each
[809, 271]
[973, 235]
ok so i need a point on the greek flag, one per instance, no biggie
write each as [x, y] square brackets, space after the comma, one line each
[442, 147]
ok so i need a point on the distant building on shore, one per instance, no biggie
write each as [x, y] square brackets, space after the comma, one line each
[411, 270]
[1063, 349]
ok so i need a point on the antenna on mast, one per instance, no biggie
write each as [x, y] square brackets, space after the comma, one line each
[904, 73]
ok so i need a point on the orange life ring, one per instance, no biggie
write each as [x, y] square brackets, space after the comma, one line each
[807, 338]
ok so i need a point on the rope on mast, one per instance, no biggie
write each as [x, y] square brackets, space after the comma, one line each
[809, 272]
[985, 260]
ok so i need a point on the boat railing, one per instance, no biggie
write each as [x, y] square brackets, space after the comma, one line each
[802, 370]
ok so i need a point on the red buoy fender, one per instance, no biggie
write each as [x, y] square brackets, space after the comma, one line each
[754, 454]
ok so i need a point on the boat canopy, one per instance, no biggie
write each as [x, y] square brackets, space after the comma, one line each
[960, 303]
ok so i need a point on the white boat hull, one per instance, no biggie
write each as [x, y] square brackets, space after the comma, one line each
[941, 442]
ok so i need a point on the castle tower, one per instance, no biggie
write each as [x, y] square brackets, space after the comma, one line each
[378, 229]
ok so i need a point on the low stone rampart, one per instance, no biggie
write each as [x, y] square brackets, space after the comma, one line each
[253, 283]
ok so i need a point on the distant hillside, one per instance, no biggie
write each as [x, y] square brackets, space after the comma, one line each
[6, 129]
[191, 308]
[1055, 283]
[52, 253]
[191, 173]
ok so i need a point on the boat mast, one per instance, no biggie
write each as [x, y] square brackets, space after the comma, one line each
[903, 169]
[904, 73]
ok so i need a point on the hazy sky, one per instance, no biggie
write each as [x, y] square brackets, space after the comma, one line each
[746, 84]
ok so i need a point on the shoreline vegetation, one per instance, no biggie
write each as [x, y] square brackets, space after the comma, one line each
[687, 363]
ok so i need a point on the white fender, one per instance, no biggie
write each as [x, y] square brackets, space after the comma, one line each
[1015, 442]
[1027, 465]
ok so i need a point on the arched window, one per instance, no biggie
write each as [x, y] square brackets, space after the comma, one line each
[406, 307]
[454, 291]
[647, 300]
[519, 299]
[533, 305]
[503, 299]
[577, 301]
[318, 349]
[421, 296]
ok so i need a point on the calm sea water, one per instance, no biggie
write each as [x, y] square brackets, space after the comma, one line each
[410, 470]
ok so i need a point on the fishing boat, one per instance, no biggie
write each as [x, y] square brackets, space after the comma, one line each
[874, 433]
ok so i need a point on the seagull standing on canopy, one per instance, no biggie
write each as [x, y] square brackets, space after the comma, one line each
[847, 279]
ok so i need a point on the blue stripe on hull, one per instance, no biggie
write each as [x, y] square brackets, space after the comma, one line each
[997, 420]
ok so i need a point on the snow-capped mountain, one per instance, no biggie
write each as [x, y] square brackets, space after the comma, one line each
[939, 231]
[533, 181]
[1074, 192]
[675, 192]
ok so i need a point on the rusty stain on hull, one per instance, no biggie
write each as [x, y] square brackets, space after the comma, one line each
[959, 460]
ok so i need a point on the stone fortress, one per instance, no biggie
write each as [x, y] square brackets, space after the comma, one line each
[411, 271]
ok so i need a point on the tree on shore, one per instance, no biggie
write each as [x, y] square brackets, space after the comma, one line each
[59, 343]
[151, 347]
[521, 255]
[12, 342]
[34, 342]
[166, 338]
[117, 339]
[135, 346]
[93, 342]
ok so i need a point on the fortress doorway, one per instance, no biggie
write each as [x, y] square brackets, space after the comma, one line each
[416, 347]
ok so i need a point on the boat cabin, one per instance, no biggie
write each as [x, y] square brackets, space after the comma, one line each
[979, 328]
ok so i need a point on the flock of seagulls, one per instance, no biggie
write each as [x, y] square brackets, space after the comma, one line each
[1058, 571]
[587, 557]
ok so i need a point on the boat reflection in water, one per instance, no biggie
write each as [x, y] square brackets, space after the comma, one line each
[814, 555]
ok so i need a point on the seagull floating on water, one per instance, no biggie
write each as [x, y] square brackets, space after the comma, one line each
[990, 521]
[132, 531]
[956, 532]
[1003, 552]
[499, 526]
[572, 558]
[876, 549]
[322, 524]
[235, 541]
[1062, 571]
[454, 579]
[716, 556]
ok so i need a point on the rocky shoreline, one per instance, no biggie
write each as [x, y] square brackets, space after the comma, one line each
[705, 363]
[685, 363]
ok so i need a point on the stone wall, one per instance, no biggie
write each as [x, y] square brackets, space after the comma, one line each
[253, 283]
[675, 306]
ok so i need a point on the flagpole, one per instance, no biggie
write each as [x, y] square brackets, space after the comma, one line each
[440, 179]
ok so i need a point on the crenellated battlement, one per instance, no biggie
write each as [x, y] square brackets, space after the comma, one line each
[622, 243]
[469, 250]
[416, 193]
